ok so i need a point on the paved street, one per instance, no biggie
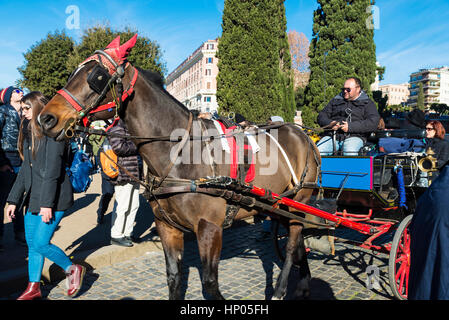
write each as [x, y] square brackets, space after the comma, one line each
[248, 270]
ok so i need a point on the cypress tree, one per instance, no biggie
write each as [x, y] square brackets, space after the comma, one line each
[342, 46]
[255, 76]
[420, 103]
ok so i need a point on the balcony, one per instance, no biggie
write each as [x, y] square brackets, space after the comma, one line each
[431, 93]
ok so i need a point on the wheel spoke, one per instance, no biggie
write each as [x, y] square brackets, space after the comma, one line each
[402, 275]
[400, 271]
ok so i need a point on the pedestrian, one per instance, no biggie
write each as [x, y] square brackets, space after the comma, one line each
[44, 188]
[435, 141]
[96, 141]
[9, 132]
[125, 187]
[351, 116]
[429, 238]
[107, 188]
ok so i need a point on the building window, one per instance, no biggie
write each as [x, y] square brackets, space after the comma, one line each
[209, 60]
[208, 72]
[208, 85]
[210, 46]
[207, 99]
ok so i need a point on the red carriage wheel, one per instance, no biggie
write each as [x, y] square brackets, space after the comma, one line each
[399, 261]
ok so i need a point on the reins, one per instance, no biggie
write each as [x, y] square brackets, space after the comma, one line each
[260, 129]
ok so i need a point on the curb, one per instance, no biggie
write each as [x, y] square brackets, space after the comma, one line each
[14, 280]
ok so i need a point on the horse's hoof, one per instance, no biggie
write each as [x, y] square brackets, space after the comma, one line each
[303, 293]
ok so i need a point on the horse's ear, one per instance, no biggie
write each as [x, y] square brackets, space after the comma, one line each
[125, 48]
[114, 44]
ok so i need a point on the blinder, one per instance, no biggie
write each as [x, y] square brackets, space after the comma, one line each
[98, 78]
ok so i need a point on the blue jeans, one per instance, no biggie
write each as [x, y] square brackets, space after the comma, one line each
[38, 235]
[350, 146]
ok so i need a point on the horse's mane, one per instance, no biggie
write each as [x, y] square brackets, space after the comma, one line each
[156, 79]
[152, 76]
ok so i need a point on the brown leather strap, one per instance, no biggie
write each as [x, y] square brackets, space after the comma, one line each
[179, 148]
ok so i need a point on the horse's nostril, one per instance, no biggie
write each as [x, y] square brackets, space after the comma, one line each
[47, 121]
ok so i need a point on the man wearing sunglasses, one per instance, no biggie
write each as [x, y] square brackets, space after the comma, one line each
[349, 117]
[10, 117]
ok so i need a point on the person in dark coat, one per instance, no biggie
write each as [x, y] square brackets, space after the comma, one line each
[43, 187]
[9, 132]
[125, 187]
[429, 243]
[435, 140]
[352, 116]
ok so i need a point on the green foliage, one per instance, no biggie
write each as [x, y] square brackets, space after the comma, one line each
[45, 67]
[49, 63]
[381, 101]
[342, 46]
[420, 103]
[255, 77]
[146, 54]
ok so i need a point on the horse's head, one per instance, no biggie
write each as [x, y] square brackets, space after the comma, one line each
[90, 91]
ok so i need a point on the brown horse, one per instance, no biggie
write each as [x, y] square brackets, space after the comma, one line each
[150, 111]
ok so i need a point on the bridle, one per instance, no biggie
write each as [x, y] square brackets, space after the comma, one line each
[104, 77]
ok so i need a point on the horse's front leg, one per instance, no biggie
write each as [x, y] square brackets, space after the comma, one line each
[292, 247]
[173, 243]
[209, 237]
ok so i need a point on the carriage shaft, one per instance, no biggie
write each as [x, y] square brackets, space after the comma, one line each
[362, 228]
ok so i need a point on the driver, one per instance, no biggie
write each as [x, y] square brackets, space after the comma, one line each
[351, 115]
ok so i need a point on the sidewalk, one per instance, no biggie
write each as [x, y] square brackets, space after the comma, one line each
[80, 238]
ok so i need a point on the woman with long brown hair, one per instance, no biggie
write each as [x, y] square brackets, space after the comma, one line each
[44, 188]
[435, 133]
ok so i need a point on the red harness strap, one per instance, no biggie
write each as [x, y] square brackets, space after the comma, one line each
[73, 103]
[250, 175]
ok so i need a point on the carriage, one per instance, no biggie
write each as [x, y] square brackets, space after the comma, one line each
[375, 195]
[196, 197]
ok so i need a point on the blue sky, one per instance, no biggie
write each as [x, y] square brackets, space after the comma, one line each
[412, 34]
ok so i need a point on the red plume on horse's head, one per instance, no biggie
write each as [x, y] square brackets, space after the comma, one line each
[120, 52]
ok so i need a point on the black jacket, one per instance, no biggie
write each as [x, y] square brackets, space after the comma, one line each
[441, 149]
[127, 155]
[361, 115]
[43, 182]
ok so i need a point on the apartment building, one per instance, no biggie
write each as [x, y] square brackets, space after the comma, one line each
[193, 82]
[435, 86]
[397, 93]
